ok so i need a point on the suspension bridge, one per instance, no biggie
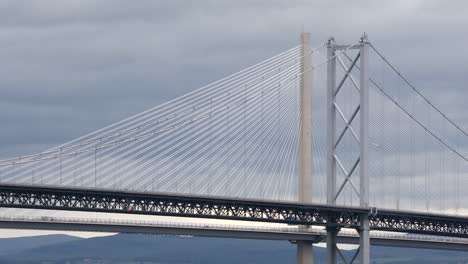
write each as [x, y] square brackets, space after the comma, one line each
[330, 144]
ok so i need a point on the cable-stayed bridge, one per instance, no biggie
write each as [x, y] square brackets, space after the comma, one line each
[333, 137]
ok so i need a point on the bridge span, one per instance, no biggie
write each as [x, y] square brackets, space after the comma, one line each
[212, 207]
[267, 232]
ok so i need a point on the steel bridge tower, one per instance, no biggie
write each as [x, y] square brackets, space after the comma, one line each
[334, 139]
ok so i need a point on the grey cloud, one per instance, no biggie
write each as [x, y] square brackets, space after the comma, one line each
[71, 67]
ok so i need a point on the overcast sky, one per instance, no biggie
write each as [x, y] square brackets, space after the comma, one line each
[71, 67]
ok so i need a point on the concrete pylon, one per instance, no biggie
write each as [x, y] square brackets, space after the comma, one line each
[304, 248]
[304, 252]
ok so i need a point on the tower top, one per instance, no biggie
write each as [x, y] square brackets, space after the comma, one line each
[305, 38]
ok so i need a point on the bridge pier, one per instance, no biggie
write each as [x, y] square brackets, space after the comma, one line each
[332, 232]
[364, 240]
[304, 252]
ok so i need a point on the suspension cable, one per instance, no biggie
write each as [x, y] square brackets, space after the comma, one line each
[418, 92]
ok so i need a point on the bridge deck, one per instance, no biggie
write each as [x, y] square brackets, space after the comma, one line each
[290, 233]
[100, 200]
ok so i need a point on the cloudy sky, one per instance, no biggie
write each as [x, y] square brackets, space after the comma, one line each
[71, 67]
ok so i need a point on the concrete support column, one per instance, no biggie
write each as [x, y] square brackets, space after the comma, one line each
[364, 241]
[304, 248]
[331, 244]
[304, 252]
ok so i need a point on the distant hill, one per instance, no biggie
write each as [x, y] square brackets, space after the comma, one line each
[18, 244]
[132, 248]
